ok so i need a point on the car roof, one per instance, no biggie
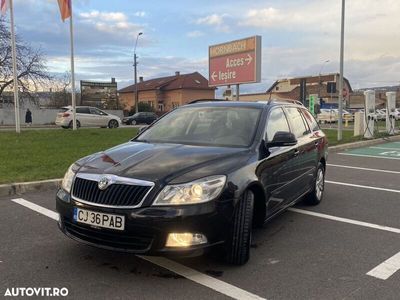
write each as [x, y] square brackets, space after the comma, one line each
[70, 107]
[258, 104]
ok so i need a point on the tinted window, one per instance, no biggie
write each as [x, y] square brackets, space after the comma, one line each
[310, 120]
[82, 110]
[276, 122]
[298, 127]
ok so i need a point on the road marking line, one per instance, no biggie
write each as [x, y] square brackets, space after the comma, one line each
[364, 169]
[365, 155]
[385, 148]
[44, 211]
[200, 278]
[387, 268]
[345, 220]
[363, 186]
[191, 274]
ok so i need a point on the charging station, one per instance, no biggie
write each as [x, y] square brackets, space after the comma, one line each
[369, 114]
[390, 112]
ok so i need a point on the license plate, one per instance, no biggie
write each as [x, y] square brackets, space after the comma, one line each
[98, 219]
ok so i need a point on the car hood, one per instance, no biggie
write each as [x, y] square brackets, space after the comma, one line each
[172, 163]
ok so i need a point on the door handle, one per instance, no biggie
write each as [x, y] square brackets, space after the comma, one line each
[296, 152]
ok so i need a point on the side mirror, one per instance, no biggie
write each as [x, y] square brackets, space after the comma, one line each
[281, 139]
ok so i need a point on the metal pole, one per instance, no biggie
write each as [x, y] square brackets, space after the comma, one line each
[340, 124]
[237, 92]
[71, 30]
[14, 63]
[135, 70]
[136, 88]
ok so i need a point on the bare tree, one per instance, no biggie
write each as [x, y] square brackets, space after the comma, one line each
[60, 94]
[31, 69]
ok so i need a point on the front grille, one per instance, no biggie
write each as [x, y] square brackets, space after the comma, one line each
[114, 195]
[104, 237]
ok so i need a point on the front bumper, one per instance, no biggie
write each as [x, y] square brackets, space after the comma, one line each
[147, 228]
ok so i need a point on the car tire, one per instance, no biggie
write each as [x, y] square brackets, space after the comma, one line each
[238, 252]
[113, 124]
[133, 122]
[78, 124]
[314, 197]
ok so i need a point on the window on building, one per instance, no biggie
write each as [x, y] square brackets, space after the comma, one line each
[150, 103]
[277, 88]
[160, 107]
[175, 104]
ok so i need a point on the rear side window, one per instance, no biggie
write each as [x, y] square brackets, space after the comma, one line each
[276, 122]
[299, 128]
[310, 120]
[82, 110]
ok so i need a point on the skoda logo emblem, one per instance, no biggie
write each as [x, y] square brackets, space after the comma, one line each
[103, 183]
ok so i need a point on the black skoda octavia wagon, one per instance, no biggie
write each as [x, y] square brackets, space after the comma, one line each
[201, 176]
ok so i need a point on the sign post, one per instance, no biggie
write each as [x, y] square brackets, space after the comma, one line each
[235, 62]
[311, 104]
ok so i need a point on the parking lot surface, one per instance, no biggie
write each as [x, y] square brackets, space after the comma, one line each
[346, 248]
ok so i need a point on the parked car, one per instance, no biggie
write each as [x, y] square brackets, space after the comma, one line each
[396, 114]
[201, 176]
[87, 116]
[380, 114]
[140, 118]
[327, 116]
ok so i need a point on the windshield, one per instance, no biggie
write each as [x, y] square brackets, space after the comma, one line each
[210, 126]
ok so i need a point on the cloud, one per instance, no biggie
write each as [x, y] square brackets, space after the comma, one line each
[215, 20]
[195, 34]
[111, 22]
[140, 14]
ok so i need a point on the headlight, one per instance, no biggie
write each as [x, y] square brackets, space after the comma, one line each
[68, 178]
[194, 192]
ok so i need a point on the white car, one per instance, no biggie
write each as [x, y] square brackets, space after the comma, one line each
[87, 116]
[327, 116]
[381, 114]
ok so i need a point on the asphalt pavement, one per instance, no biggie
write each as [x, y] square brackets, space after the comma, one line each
[346, 248]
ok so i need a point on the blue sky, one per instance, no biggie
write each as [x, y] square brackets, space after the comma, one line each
[298, 36]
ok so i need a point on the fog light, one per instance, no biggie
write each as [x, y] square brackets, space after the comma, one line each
[185, 239]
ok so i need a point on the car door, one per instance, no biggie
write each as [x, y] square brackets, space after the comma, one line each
[274, 170]
[303, 165]
[99, 118]
[83, 116]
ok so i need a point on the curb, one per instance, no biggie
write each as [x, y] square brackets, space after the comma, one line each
[38, 186]
[24, 187]
[364, 143]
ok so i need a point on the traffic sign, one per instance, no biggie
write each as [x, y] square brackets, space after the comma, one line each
[235, 62]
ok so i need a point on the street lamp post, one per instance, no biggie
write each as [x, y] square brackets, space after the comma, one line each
[340, 100]
[135, 67]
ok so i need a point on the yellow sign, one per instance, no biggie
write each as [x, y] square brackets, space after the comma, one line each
[233, 47]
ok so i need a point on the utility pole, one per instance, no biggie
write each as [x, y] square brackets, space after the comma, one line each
[135, 70]
[340, 100]
[136, 88]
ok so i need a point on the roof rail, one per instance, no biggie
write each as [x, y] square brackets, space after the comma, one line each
[285, 100]
[206, 100]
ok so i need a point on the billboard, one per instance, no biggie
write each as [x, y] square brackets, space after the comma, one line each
[235, 62]
[99, 94]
